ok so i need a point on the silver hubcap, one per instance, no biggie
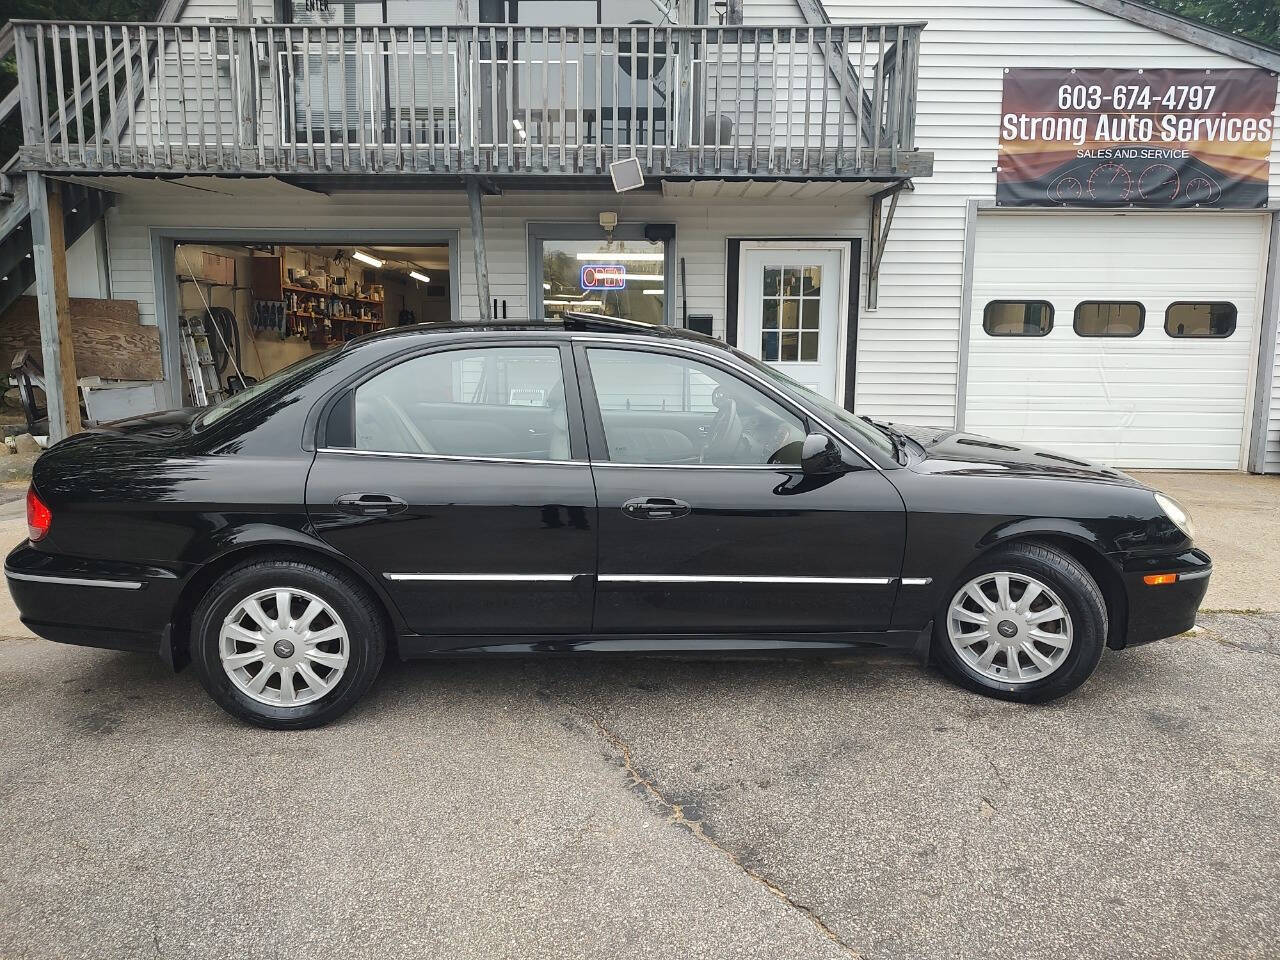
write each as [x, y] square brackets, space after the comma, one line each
[1009, 627]
[284, 647]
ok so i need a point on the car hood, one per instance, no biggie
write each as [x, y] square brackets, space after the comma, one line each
[953, 451]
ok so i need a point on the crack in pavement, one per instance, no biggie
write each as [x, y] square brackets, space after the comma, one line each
[675, 815]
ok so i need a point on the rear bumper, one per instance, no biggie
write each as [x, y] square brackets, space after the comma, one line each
[1168, 609]
[92, 603]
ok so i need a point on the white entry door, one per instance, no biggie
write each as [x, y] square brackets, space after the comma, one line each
[790, 304]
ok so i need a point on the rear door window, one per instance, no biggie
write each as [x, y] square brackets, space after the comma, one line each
[490, 402]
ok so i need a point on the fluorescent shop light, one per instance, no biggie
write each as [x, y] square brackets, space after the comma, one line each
[654, 293]
[607, 257]
[573, 303]
[365, 258]
[419, 276]
[645, 278]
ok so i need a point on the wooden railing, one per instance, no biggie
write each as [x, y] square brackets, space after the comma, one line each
[785, 101]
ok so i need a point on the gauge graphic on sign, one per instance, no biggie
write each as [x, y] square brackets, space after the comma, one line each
[604, 276]
[1130, 180]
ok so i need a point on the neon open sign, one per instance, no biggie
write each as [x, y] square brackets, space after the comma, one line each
[604, 276]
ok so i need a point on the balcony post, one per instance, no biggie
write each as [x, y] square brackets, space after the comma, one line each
[462, 36]
[481, 254]
[245, 66]
[48, 250]
[28, 89]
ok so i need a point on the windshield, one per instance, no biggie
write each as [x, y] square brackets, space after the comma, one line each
[826, 407]
[238, 400]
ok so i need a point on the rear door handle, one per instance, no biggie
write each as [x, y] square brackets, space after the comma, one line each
[370, 504]
[655, 508]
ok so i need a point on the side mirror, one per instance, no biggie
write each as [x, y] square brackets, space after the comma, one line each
[820, 455]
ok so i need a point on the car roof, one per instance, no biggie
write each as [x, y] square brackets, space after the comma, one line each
[569, 322]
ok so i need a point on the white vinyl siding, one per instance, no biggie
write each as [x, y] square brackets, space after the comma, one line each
[1146, 401]
[908, 357]
[204, 11]
[702, 230]
[1271, 419]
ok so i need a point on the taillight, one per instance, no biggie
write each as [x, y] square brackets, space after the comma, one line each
[39, 517]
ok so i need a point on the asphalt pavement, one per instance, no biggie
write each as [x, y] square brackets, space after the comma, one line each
[648, 808]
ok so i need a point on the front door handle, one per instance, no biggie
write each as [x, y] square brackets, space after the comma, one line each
[370, 504]
[655, 508]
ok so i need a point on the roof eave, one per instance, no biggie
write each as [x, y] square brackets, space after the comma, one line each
[1198, 33]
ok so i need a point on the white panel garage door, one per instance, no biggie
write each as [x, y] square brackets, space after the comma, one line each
[1151, 400]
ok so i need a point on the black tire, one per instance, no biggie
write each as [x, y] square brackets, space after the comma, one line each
[350, 599]
[1077, 591]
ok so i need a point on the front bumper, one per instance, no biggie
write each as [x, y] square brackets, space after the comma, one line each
[92, 603]
[1167, 609]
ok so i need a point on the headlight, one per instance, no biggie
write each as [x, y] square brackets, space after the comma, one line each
[1173, 510]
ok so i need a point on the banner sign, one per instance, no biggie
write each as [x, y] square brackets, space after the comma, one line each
[1143, 138]
[597, 276]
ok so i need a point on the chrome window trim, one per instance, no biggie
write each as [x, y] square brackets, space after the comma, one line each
[488, 577]
[75, 581]
[446, 456]
[775, 467]
[716, 578]
[744, 371]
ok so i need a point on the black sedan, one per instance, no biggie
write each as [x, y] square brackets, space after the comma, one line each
[586, 486]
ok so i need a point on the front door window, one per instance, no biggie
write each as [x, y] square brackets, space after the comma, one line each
[667, 410]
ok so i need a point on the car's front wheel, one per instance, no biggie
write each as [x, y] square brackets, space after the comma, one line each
[1025, 622]
[287, 644]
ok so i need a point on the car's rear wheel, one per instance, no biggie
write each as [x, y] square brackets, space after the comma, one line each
[287, 644]
[1025, 622]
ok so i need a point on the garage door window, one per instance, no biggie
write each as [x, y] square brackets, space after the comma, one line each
[1200, 320]
[1097, 318]
[1018, 318]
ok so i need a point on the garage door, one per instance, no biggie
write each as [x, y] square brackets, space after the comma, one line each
[1123, 338]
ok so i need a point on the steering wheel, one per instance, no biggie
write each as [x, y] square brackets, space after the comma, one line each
[725, 430]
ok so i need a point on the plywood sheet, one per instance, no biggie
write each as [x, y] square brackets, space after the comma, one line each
[109, 341]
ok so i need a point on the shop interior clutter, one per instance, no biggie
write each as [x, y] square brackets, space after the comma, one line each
[250, 309]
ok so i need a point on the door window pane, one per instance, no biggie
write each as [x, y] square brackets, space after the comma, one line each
[1017, 318]
[791, 300]
[1200, 320]
[505, 402]
[1095, 318]
[662, 409]
[618, 278]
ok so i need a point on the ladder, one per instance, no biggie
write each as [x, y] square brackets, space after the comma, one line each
[197, 362]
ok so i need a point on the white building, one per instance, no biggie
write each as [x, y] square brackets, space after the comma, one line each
[833, 166]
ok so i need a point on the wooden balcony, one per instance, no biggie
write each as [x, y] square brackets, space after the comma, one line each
[784, 102]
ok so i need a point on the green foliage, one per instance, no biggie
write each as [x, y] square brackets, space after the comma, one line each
[81, 9]
[1257, 20]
